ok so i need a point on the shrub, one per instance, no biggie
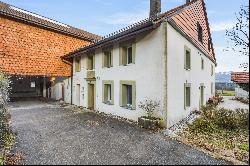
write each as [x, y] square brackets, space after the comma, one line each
[149, 106]
[213, 118]
[4, 86]
[202, 125]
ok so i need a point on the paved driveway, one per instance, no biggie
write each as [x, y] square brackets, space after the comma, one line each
[231, 104]
[48, 134]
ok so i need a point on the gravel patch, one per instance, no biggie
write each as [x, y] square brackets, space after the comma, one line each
[52, 135]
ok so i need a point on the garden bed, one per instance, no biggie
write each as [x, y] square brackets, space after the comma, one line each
[222, 132]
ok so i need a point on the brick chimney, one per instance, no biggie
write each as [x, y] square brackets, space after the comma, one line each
[155, 8]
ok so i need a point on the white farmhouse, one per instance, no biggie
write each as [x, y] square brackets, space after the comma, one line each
[167, 58]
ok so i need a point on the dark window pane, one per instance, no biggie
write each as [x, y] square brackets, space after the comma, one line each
[188, 93]
[129, 94]
[130, 54]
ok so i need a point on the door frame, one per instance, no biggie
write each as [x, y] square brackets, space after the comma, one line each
[93, 83]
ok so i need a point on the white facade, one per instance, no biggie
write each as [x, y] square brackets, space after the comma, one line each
[147, 72]
[158, 72]
[177, 76]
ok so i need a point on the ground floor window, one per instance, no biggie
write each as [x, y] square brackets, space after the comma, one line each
[187, 95]
[108, 92]
[127, 95]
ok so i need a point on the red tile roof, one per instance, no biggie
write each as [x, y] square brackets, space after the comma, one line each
[184, 17]
[41, 21]
[186, 20]
[240, 77]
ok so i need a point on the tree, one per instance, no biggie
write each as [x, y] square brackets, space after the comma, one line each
[239, 35]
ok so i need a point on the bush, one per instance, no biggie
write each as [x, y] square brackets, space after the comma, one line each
[4, 87]
[202, 125]
[212, 119]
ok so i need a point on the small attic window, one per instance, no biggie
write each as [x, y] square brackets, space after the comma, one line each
[200, 32]
[209, 45]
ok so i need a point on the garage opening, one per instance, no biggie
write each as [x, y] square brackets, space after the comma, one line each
[29, 87]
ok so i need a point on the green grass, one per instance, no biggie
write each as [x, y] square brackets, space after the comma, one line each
[226, 93]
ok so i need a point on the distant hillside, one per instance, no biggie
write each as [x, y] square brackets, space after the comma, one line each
[223, 77]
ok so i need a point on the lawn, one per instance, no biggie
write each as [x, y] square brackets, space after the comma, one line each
[226, 93]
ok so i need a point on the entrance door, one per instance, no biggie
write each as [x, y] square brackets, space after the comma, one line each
[202, 96]
[91, 96]
[78, 94]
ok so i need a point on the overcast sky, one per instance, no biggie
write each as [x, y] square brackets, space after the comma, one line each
[106, 16]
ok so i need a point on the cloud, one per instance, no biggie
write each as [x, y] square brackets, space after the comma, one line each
[222, 26]
[125, 18]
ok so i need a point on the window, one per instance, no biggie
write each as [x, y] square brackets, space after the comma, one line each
[108, 92]
[77, 64]
[107, 58]
[127, 95]
[90, 62]
[209, 45]
[212, 88]
[200, 32]
[212, 70]
[202, 63]
[187, 95]
[187, 58]
[127, 54]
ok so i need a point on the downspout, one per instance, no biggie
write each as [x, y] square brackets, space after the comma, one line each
[165, 23]
[71, 93]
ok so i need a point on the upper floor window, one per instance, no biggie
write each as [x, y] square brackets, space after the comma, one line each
[187, 58]
[202, 63]
[127, 54]
[78, 64]
[200, 32]
[90, 62]
[212, 70]
[107, 58]
[209, 45]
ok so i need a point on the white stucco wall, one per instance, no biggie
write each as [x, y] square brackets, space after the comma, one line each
[177, 76]
[148, 72]
[56, 89]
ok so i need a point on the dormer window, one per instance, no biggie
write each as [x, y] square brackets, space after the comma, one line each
[200, 32]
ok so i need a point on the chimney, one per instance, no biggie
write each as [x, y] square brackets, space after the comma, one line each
[155, 8]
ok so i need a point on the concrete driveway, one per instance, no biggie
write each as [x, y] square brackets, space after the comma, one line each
[48, 134]
[231, 104]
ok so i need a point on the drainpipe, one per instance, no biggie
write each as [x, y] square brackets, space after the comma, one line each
[71, 94]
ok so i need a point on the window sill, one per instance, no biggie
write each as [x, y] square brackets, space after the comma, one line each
[107, 103]
[128, 108]
[188, 69]
[107, 67]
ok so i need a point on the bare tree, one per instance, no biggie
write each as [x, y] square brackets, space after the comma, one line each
[239, 35]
